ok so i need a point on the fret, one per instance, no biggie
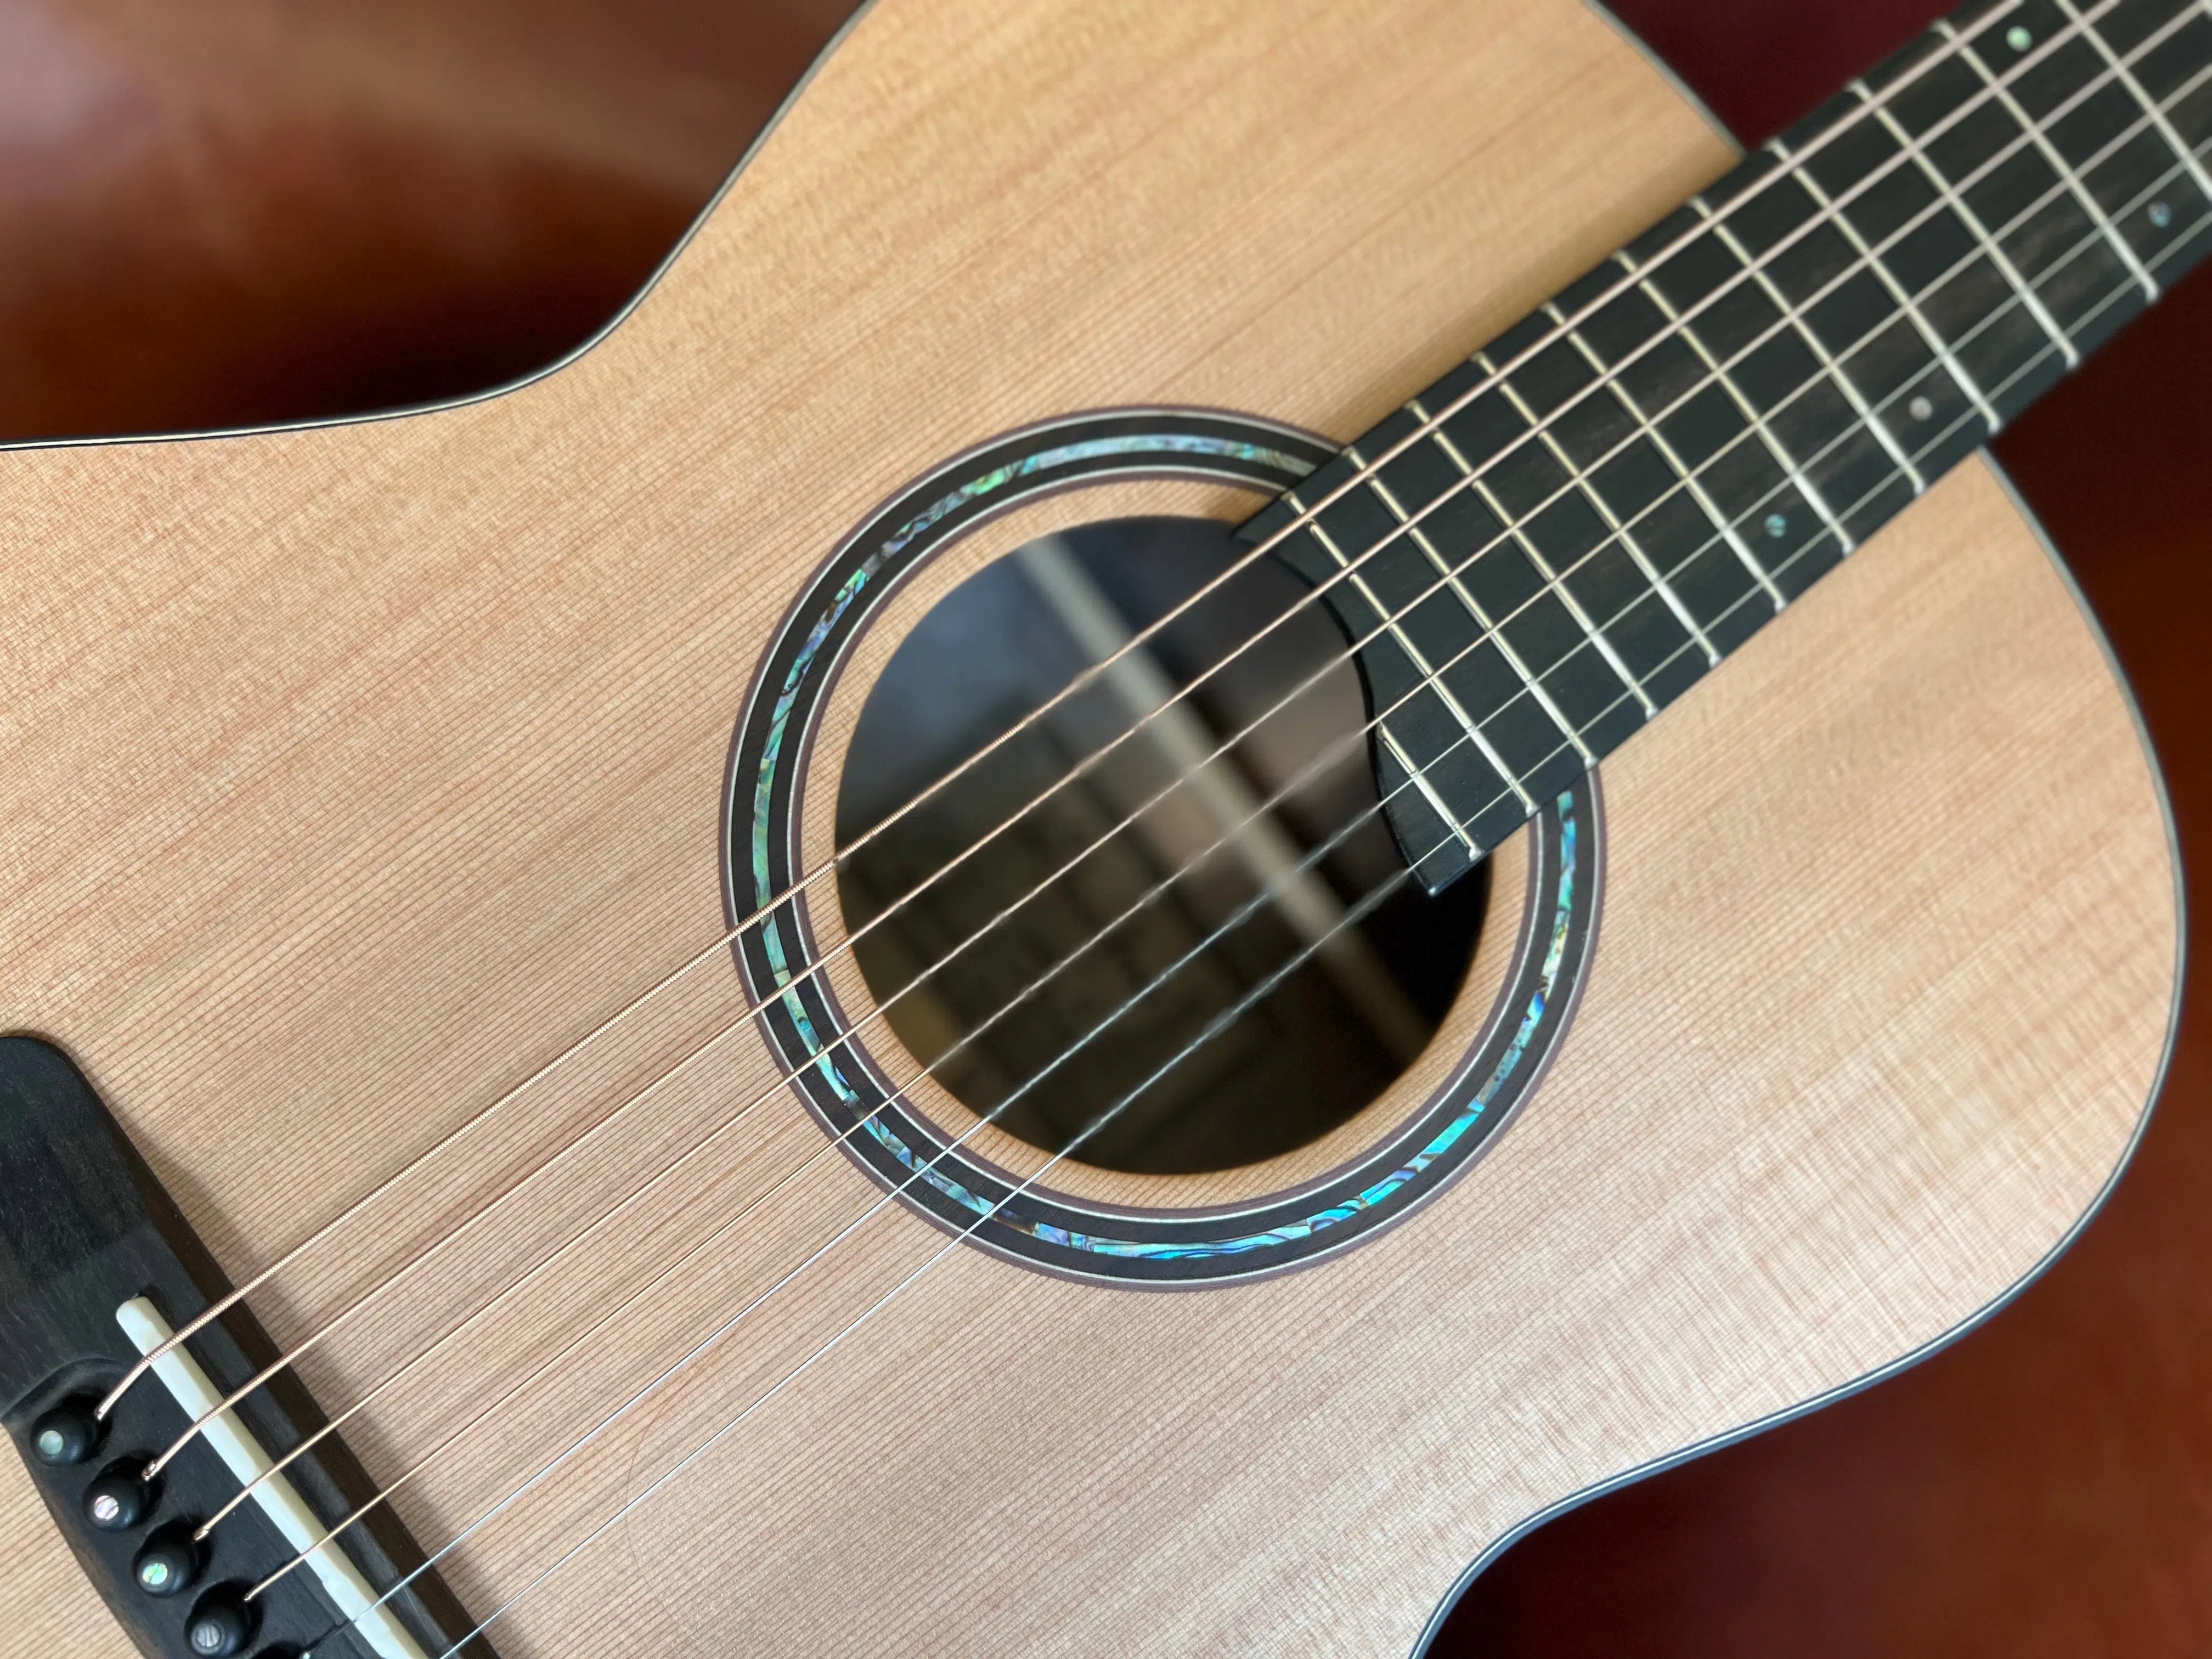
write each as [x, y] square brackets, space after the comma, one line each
[1937, 345]
[1452, 850]
[1975, 308]
[1851, 312]
[2156, 184]
[2168, 52]
[1812, 342]
[1826, 424]
[1390, 620]
[1517, 581]
[2141, 175]
[2125, 74]
[1428, 658]
[1459, 684]
[1550, 489]
[2062, 63]
[1655, 486]
[1434, 659]
[2048, 233]
[1708, 563]
[1619, 502]
[1476, 605]
[1595, 697]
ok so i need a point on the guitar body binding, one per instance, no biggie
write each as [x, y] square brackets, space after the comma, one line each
[356, 772]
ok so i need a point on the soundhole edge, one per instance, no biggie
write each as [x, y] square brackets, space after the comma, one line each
[1123, 918]
[851, 1090]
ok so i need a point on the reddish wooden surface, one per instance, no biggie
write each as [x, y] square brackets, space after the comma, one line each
[248, 210]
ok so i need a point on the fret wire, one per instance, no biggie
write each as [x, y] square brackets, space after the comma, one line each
[1394, 622]
[1482, 611]
[1780, 452]
[1513, 659]
[1905, 301]
[1941, 183]
[1842, 381]
[2064, 168]
[1589, 489]
[696, 1452]
[141, 1367]
[1629, 405]
[1536, 555]
[2150, 106]
[1541, 560]
[1685, 473]
[1418, 776]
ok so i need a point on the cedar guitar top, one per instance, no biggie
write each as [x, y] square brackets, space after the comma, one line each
[354, 773]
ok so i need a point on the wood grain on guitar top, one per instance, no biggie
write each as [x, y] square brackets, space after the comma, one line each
[352, 773]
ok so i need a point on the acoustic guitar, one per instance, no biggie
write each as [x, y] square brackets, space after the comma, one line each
[1250, 789]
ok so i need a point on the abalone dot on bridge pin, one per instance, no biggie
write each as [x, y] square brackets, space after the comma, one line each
[68, 1434]
[117, 1499]
[168, 1563]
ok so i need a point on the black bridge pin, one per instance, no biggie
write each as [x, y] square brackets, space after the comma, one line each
[68, 1433]
[118, 1498]
[169, 1562]
[220, 1625]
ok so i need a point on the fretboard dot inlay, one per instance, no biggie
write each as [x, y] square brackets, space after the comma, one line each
[1566, 532]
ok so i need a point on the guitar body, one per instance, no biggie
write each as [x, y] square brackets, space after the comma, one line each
[353, 774]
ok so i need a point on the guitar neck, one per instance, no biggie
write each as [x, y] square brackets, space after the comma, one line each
[1561, 536]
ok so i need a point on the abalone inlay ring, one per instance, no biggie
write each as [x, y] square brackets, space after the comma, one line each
[889, 1136]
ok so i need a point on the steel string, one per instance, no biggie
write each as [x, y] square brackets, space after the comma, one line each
[1790, 314]
[230, 1298]
[1213, 1030]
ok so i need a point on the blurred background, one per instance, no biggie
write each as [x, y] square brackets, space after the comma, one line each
[250, 210]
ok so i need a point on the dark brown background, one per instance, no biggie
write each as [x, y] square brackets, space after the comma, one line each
[243, 211]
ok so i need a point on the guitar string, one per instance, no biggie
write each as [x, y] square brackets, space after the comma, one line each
[1223, 1021]
[1249, 909]
[1950, 46]
[1319, 763]
[691, 1458]
[1199, 857]
[2090, 163]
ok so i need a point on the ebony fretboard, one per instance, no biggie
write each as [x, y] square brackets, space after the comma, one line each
[1690, 435]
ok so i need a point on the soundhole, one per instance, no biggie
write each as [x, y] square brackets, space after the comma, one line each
[1139, 937]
